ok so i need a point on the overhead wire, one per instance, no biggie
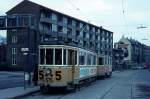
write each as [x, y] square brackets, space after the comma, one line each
[123, 12]
[79, 10]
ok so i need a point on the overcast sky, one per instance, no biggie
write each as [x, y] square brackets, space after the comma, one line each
[106, 13]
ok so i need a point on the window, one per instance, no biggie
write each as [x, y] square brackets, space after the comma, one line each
[69, 31]
[42, 56]
[100, 61]
[14, 39]
[94, 60]
[54, 17]
[54, 27]
[64, 57]
[14, 50]
[11, 21]
[49, 56]
[58, 56]
[60, 18]
[14, 61]
[72, 57]
[88, 59]
[69, 21]
[81, 58]
[60, 28]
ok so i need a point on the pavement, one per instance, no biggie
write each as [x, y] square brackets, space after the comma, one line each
[11, 85]
[17, 92]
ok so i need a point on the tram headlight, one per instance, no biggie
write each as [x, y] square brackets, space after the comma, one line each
[48, 71]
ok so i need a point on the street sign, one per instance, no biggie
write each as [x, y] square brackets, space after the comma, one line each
[24, 49]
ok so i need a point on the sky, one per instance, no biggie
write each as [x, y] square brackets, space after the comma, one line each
[123, 17]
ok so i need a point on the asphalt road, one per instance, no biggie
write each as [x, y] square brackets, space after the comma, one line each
[11, 79]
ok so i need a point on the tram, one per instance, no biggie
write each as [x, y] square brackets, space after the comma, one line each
[104, 66]
[65, 66]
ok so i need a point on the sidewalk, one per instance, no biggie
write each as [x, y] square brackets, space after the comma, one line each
[17, 92]
[12, 73]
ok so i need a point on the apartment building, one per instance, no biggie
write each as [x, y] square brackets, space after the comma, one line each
[52, 27]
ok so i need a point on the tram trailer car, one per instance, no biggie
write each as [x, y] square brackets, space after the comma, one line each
[104, 66]
[65, 66]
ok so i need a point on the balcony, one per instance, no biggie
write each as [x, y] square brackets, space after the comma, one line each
[45, 20]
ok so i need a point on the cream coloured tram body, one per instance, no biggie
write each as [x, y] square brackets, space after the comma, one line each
[65, 66]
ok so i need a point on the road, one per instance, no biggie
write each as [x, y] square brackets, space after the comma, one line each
[132, 84]
[11, 79]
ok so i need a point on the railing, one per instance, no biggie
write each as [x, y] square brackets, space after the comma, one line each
[17, 21]
[45, 20]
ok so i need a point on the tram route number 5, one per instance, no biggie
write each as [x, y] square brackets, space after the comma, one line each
[57, 73]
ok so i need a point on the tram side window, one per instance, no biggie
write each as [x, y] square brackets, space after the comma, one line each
[75, 57]
[49, 56]
[100, 61]
[64, 57]
[58, 56]
[106, 61]
[42, 56]
[72, 57]
[81, 58]
[94, 60]
[89, 59]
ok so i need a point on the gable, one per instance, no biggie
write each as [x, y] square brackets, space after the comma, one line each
[25, 7]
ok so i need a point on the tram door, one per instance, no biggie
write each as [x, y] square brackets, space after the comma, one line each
[72, 61]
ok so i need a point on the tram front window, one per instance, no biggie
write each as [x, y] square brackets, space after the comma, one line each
[49, 56]
[42, 55]
[58, 56]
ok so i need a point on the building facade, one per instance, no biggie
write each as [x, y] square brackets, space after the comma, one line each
[135, 53]
[52, 27]
[146, 55]
[3, 49]
[118, 56]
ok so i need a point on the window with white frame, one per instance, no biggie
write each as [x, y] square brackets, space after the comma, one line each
[14, 50]
[14, 39]
[14, 61]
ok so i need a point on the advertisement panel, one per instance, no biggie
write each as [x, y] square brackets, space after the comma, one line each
[87, 71]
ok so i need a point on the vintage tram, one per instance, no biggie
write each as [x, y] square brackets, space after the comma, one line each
[67, 66]
[104, 66]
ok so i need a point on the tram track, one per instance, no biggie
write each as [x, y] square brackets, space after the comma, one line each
[109, 90]
[54, 95]
[101, 89]
[115, 84]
